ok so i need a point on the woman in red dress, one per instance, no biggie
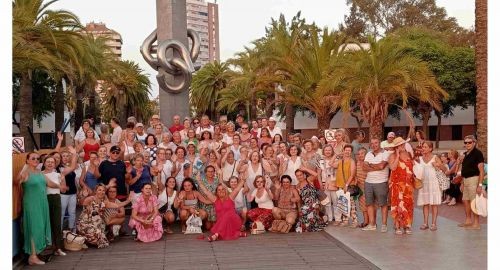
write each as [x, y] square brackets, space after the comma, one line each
[228, 224]
[89, 144]
[401, 187]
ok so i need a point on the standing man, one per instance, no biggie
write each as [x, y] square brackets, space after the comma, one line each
[140, 134]
[376, 186]
[112, 172]
[387, 143]
[273, 129]
[204, 125]
[155, 120]
[473, 173]
[176, 126]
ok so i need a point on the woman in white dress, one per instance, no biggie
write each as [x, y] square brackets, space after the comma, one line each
[290, 163]
[254, 169]
[429, 196]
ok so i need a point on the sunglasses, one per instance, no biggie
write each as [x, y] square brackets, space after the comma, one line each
[35, 158]
[196, 123]
[244, 128]
[468, 142]
[115, 152]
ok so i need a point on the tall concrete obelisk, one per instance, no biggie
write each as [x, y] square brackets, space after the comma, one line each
[173, 60]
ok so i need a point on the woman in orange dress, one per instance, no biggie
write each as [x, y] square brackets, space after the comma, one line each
[401, 187]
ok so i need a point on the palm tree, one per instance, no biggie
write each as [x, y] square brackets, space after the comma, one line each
[380, 76]
[481, 40]
[125, 91]
[206, 86]
[303, 69]
[42, 39]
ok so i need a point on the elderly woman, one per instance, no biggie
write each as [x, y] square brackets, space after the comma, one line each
[165, 142]
[328, 181]
[264, 199]
[429, 196]
[311, 163]
[187, 126]
[287, 198]
[265, 137]
[229, 167]
[188, 199]
[291, 162]
[127, 146]
[182, 167]
[228, 222]
[91, 223]
[137, 175]
[151, 146]
[36, 225]
[210, 181]
[401, 187]
[360, 179]
[270, 163]
[145, 218]
[162, 167]
[240, 202]
[114, 217]
[345, 176]
[309, 219]
[105, 137]
[227, 139]
[89, 144]
[191, 138]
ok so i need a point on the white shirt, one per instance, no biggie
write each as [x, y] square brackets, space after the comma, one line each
[236, 151]
[80, 135]
[227, 139]
[377, 177]
[291, 167]
[166, 171]
[275, 131]
[229, 170]
[200, 130]
[251, 175]
[142, 137]
[115, 137]
[56, 178]
[264, 201]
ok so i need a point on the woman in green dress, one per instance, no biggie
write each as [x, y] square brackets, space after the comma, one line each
[36, 220]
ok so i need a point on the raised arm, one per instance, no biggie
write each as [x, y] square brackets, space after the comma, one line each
[237, 189]
[74, 158]
[60, 138]
[203, 188]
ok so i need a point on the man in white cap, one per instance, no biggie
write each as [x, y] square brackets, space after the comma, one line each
[141, 135]
[390, 138]
[273, 129]
[155, 120]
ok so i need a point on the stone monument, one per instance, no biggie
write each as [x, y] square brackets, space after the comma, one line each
[171, 58]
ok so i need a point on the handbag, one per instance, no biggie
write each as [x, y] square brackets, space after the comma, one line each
[258, 228]
[193, 224]
[418, 172]
[457, 179]
[417, 183]
[280, 226]
[354, 190]
[73, 241]
[480, 205]
[323, 198]
[343, 202]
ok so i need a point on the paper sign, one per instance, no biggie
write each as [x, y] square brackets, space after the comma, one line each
[18, 144]
[330, 135]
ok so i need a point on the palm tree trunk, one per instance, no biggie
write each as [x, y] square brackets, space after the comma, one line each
[481, 40]
[79, 108]
[376, 128]
[438, 132]
[289, 118]
[323, 122]
[26, 109]
[59, 106]
[426, 115]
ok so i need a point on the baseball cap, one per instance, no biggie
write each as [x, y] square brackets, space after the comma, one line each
[139, 125]
[391, 134]
[115, 148]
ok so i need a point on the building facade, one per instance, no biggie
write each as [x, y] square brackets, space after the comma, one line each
[203, 17]
[114, 41]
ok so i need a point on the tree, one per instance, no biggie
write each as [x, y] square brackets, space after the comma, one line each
[379, 76]
[481, 40]
[206, 86]
[125, 90]
[41, 41]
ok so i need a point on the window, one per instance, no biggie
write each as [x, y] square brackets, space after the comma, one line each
[456, 132]
[47, 140]
[432, 133]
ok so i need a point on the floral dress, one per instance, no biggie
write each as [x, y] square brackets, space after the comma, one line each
[209, 208]
[145, 210]
[401, 193]
[309, 219]
[92, 226]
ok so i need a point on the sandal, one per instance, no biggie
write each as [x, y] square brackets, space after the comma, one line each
[362, 225]
[243, 234]
[399, 231]
[408, 231]
[434, 227]
[168, 230]
[464, 224]
[213, 238]
[424, 227]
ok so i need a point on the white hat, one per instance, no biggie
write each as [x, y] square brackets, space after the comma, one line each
[272, 119]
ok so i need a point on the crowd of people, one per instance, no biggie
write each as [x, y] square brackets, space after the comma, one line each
[236, 177]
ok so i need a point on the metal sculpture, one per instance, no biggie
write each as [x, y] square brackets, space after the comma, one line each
[181, 65]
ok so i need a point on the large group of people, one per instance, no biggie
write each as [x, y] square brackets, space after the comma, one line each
[235, 177]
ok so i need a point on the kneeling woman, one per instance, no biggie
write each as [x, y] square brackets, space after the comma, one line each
[92, 223]
[188, 202]
[264, 199]
[166, 202]
[145, 218]
[228, 224]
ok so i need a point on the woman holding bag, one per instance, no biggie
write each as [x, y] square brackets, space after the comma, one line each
[429, 196]
[346, 170]
[401, 187]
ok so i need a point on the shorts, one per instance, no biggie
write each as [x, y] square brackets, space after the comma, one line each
[378, 192]
[470, 186]
[164, 209]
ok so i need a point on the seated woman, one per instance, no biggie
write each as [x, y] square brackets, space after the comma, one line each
[188, 202]
[137, 175]
[114, 217]
[240, 202]
[91, 223]
[166, 202]
[264, 199]
[287, 198]
[309, 219]
[145, 218]
[228, 224]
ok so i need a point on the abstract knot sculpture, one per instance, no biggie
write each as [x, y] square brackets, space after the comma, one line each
[173, 65]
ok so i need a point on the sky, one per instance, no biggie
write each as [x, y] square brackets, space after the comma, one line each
[240, 22]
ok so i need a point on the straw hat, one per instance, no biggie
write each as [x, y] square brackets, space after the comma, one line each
[397, 142]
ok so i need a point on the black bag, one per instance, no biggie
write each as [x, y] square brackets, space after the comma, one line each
[354, 190]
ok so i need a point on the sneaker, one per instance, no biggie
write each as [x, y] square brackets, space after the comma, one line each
[116, 230]
[452, 202]
[134, 232]
[369, 228]
[383, 228]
